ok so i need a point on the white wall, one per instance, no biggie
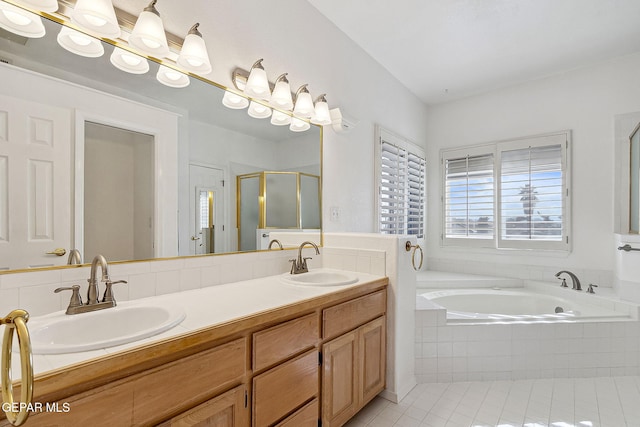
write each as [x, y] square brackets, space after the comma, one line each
[584, 101]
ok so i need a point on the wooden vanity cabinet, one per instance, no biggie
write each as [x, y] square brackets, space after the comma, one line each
[354, 364]
[322, 358]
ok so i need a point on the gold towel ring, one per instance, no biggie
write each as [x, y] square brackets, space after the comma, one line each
[17, 320]
[408, 246]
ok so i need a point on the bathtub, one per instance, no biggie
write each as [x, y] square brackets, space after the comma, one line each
[513, 305]
[471, 328]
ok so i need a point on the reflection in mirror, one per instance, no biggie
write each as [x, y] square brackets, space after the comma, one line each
[634, 196]
[118, 193]
[214, 145]
[271, 201]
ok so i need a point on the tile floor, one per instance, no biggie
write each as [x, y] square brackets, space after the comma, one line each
[561, 402]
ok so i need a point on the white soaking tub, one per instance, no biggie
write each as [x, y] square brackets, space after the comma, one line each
[516, 305]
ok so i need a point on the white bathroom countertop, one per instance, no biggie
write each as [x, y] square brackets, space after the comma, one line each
[204, 308]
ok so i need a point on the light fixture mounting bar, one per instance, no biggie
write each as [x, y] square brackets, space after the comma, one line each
[125, 19]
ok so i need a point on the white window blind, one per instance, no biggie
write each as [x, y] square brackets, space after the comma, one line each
[401, 187]
[532, 195]
[469, 197]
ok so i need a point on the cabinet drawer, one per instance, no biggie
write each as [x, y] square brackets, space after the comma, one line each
[285, 340]
[349, 315]
[307, 416]
[284, 388]
[152, 396]
[226, 410]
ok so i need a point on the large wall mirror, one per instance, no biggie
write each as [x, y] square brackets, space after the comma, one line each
[145, 170]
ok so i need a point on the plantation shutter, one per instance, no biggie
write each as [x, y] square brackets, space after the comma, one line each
[532, 194]
[469, 197]
[402, 193]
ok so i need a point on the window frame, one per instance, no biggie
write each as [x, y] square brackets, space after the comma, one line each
[383, 135]
[562, 138]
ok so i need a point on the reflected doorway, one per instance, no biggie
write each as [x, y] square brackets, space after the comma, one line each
[118, 193]
[207, 210]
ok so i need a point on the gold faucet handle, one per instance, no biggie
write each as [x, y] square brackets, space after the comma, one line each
[76, 299]
[108, 292]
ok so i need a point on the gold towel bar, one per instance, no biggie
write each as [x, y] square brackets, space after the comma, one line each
[17, 320]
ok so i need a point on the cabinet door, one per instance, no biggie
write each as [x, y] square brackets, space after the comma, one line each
[372, 355]
[226, 410]
[340, 379]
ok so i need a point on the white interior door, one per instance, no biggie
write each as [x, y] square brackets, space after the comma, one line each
[35, 184]
[207, 210]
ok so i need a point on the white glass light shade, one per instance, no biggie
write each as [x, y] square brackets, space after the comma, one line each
[258, 111]
[148, 35]
[257, 83]
[129, 62]
[97, 16]
[321, 116]
[193, 56]
[20, 22]
[281, 96]
[234, 101]
[43, 5]
[280, 119]
[79, 43]
[304, 104]
[172, 78]
[298, 125]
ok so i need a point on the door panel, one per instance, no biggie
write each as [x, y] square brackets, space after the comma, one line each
[35, 164]
[207, 210]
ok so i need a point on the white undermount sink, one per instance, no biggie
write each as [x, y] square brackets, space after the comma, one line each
[322, 277]
[61, 333]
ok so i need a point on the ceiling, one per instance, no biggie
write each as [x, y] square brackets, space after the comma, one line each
[443, 50]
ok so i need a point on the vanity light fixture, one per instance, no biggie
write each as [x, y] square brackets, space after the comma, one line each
[79, 43]
[279, 118]
[281, 96]
[257, 84]
[258, 111]
[298, 125]
[304, 104]
[172, 78]
[148, 33]
[20, 22]
[97, 16]
[234, 101]
[128, 61]
[321, 116]
[193, 55]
